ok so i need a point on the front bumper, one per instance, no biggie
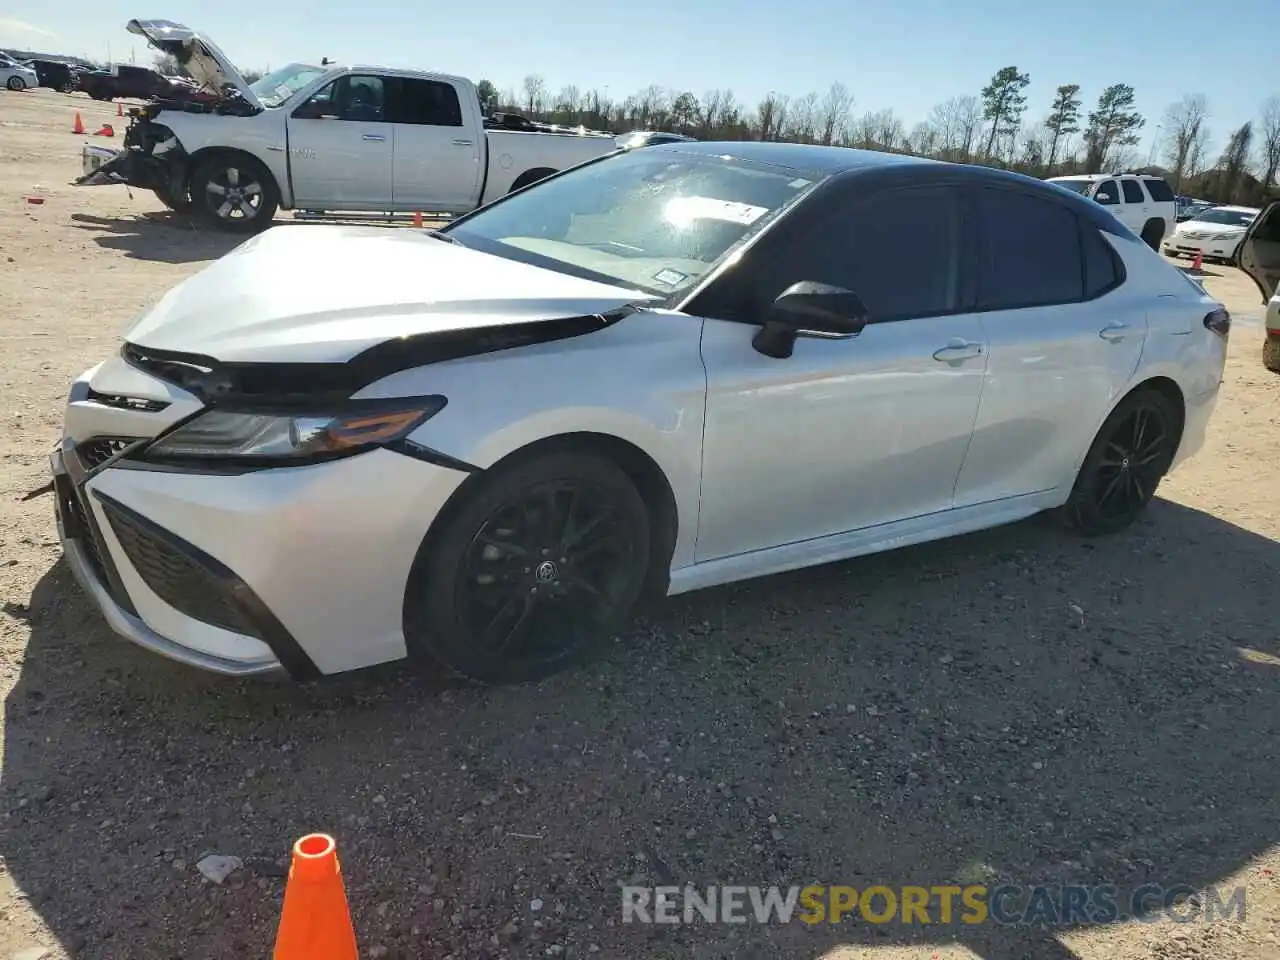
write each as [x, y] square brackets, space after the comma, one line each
[1218, 248]
[294, 572]
[92, 159]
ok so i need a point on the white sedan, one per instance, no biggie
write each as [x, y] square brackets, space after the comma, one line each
[664, 370]
[1213, 234]
[17, 76]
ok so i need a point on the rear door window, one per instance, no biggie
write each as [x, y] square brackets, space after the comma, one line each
[1158, 189]
[1029, 252]
[1133, 191]
[427, 103]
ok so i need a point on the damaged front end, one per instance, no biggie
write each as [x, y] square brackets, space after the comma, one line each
[152, 158]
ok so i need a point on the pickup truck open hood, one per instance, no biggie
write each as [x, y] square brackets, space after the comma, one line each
[325, 294]
[198, 55]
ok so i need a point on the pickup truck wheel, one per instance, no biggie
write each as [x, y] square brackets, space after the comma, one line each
[529, 177]
[234, 192]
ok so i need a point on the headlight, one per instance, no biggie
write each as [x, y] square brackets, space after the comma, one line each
[283, 438]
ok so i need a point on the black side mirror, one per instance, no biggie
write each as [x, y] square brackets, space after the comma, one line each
[809, 307]
[314, 110]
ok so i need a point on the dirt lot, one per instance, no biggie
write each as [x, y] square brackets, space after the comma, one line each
[1014, 706]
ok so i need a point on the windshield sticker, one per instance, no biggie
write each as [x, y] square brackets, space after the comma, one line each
[684, 209]
[799, 182]
[669, 278]
[284, 92]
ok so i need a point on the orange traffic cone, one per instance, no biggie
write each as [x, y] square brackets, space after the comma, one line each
[106, 131]
[79, 125]
[417, 218]
[315, 922]
[119, 109]
[1198, 262]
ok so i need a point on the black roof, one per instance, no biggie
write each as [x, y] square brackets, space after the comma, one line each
[796, 156]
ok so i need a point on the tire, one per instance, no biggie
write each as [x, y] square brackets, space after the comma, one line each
[211, 199]
[16, 84]
[466, 606]
[1153, 233]
[178, 204]
[1124, 465]
[530, 177]
[1271, 354]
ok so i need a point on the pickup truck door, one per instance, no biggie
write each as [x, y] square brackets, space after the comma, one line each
[1258, 254]
[341, 147]
[439, 148]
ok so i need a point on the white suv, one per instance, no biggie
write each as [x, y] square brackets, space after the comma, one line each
[1143, 203]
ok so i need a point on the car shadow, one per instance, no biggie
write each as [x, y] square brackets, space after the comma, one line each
[161, 236]
[1016, 706]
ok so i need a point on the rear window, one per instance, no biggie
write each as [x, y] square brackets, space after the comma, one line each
[1158, 189]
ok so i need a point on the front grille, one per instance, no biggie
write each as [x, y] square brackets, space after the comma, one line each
[95, 452]
[177, 578]
[79, 525]
[121, 402]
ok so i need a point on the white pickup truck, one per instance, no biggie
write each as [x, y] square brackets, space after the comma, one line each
[321, 138]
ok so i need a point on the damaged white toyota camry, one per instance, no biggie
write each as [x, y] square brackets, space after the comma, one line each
[659, 371]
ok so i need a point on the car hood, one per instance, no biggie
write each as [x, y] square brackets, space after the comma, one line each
[325, 294]
[198, 55]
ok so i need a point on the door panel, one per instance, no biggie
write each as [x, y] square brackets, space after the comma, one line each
[1259, 252]
[438, 159]
[843, 434]
[1064, 338]
[341, 147]
[1051, 378]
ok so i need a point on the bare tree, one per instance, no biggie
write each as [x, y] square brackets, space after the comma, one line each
[770, 113]
[923, 139]
[1269, 141]
[1235, 162]
[956, 122]
[535, 93]
[804, 119]
[834, 113]
[1186, 136]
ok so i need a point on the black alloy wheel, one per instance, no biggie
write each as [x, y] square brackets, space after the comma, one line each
[541, 564]
[1128, 459]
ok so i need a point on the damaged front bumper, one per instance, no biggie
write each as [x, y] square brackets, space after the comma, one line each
[92, 159]
[152, 159]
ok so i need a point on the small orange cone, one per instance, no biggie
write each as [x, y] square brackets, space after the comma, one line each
[119, 109]
[1198, 262]
[79, 125]
[417, 219]
[106, 131]
[315, 922]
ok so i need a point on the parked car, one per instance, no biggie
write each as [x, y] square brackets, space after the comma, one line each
[663, 370]
[125, 82]
[1214, 234]
[1258, 255]
[57, 74]
[17, 76]
[359, 139]
[649, 138]
[1188, 207]
[1143, 203]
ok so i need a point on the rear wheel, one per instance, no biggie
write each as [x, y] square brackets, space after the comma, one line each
[234, 192]
[1153, 233]
[1121, 471]
[530, 177]
[540, 563]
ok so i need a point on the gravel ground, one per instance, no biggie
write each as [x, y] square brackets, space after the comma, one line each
[1015, 705]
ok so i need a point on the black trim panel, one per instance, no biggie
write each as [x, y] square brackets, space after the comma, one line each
[272, 632]
[428, 455]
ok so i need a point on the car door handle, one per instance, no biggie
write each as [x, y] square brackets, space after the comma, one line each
[957, 350]
[1114, 332]
[463, 143]
[375, 137]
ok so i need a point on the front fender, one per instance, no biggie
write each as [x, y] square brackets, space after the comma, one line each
[261, 136]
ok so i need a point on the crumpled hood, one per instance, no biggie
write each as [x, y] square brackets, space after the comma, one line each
[198, 55]
[311, 294]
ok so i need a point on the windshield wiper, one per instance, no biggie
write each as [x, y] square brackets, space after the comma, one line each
[445, 237]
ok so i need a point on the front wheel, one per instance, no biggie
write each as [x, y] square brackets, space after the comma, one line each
[234, 192]
[1128, 459]
[16, 83]
[540, 563]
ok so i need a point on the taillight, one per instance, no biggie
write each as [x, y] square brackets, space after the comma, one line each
[1219, 322]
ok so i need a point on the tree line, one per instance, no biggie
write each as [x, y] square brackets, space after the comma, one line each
[991, 127]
